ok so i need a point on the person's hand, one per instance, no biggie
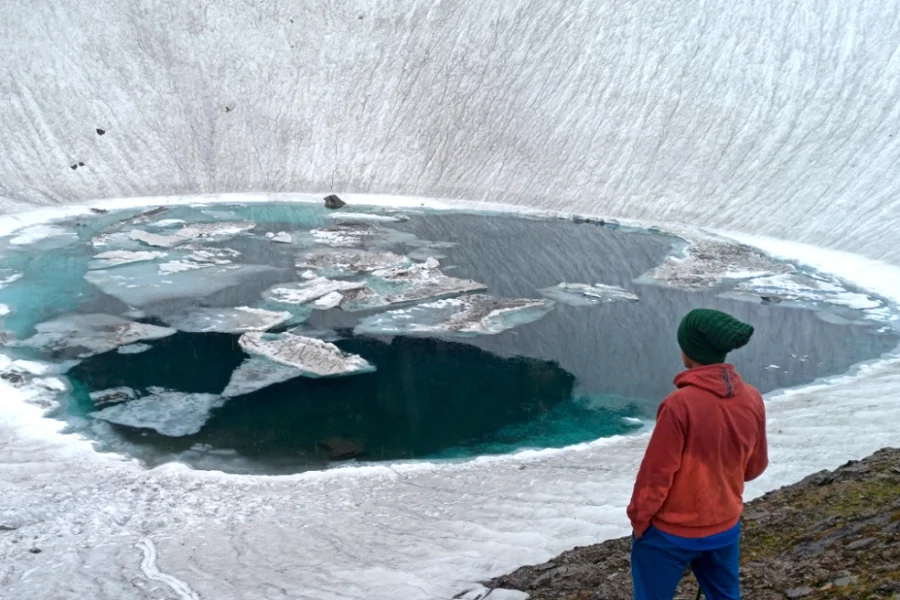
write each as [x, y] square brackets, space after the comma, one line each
[638, 534]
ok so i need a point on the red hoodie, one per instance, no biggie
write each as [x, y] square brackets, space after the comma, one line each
[710, 438]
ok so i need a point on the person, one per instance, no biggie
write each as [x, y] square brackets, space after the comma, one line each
[709, 439]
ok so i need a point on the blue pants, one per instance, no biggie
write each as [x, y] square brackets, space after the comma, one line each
[657, 566]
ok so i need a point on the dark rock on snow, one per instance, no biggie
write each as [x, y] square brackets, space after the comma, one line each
[333, 202]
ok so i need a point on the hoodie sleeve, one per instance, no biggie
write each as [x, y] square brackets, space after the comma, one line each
[759, 460]
[661, 462]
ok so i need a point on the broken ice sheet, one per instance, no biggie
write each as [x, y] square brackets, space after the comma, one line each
[80, 336]
[708, 263]
[142, 284]
[342, 263]
[7, 277]
[314, 358]
[169, 412]
[350, 217]
[219, 231]
[420, 281]
[354, 235]
[466, 315]
[228, 320]
[804, 289]
[115, 258]
[112, 395]
[257, 373]
[585, 294]
[56, 236]
[301, 292]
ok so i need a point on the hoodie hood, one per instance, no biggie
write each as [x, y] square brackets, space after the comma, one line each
[721, 380]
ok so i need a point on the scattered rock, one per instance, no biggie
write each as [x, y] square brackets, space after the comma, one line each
[845, 581]
[101, 131]
[7, 528]
[860, 544]
[13, 378]
[799, 592]
[80, 164]
[35, 550]
[342, 449]
[73, 166]
[333, 202]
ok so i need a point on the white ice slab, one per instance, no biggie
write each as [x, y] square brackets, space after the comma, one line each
[357, 235]
[349, 217]
[86, 335]
[113, 395]
[301, 292]
[411, 284]
[315, 358]
[794, 287]
[7, 277]
[37, 233]
[239, 319]
[467, 315]
[219, 231]
[329, 301]
[115, 258]
[257, 373]
[4, 310]
[169, 412]
[585, 294]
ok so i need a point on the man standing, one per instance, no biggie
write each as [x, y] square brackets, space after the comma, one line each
[710, 438]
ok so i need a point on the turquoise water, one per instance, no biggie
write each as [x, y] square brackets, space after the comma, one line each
[574, 374]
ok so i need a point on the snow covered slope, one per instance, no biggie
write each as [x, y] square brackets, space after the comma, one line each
[775, 119]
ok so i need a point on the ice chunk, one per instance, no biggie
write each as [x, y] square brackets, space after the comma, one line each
[258, 373]
[228, 320]
[52, 384]
[141, 284]
[112, 395]
[329, 301]
[357, 235]
[169, 412]
[803, 288]
[340, 263]
[301, 292]
[180, 266]
[115, 258]
[313, 357]
[36, 233]
[134, 348]
[7, 277]
[185, 234]
[585, 294]
[710, 262]
[4, 310]
[205, 254]
[85, 335]
[472, 315]
[410, 284]
[282, 237]
[348, 217]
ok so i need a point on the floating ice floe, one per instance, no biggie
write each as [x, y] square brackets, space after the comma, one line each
[228, 320]
[113, 395]
[80, 336]
[51, 384]
[472, 315]
[169, 412]
[329, 301]
[301, 292]
[4, 310]
[7, 277]
[142, 284]
[585, 294]
[37, 233]
[115, 258]
[341, 263]
[257, 373]
[708, 263]
[205, 254]
[803, 289]
[185, 234]
[314, 358]
[420, 281]
[134, 348]
[357, 235]
[349, 217]
[282, 237]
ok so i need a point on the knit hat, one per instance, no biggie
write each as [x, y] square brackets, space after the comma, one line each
[707, 336]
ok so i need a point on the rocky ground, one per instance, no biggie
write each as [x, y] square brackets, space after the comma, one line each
[833, 535]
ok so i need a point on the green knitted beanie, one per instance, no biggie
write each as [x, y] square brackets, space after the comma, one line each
[707, 336]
